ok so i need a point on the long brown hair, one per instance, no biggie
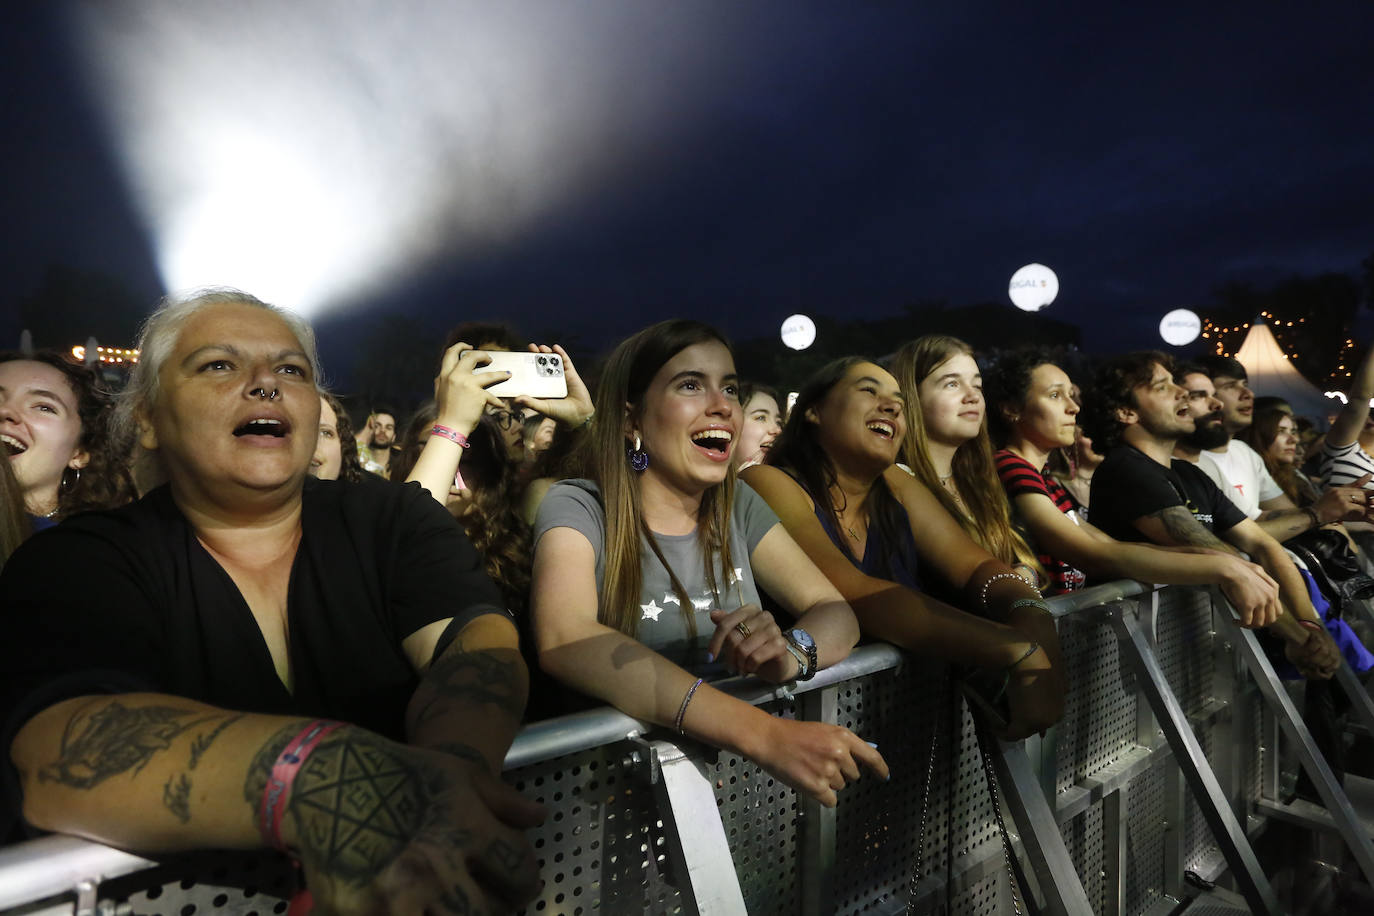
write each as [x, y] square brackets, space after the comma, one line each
[988, 517]
[1259, 436]
[600, 456]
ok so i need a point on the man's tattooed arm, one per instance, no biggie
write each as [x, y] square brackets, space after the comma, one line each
[1175, 526]
[470, 701]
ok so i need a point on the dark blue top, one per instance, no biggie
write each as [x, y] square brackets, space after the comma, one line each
[896, 562]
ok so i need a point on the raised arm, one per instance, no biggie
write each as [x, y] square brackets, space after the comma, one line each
[1346, 429]
[462, 399]
[576, 648]
[159, 773]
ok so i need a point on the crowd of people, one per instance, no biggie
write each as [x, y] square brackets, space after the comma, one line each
[223, 605]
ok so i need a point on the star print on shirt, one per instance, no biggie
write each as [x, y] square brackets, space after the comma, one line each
[672, 599]
[651, 611]
[737, 575]
[702, 604]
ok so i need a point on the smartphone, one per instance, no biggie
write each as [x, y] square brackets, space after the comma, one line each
[535, 375]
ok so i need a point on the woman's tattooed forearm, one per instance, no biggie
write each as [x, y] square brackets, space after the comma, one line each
[356, 802]
[116, 739]
[202, 743]
[463, 677]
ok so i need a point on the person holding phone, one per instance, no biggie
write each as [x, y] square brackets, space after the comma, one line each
[463, 394]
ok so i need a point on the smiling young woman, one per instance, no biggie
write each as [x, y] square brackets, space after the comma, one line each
[873, 531]
[55, 428]
[644, 571]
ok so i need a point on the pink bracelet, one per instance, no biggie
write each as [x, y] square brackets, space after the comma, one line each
[1311, 625]
[451, 435]
[277, 792]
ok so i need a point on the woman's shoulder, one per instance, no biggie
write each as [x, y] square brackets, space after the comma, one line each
[573, 503]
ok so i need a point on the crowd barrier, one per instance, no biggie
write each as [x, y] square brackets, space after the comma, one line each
[1152, 789]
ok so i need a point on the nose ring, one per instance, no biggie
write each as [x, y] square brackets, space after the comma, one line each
[264, 393]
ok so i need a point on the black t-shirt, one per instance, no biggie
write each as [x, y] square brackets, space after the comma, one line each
[1130, 484]
[129, 600]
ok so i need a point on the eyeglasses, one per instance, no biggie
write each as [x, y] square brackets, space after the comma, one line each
[503, 418]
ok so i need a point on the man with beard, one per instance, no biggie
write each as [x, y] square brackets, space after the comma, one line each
[1137, 414]
[1221, 404]
[377, 441]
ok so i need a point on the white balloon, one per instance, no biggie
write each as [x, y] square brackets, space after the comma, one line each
[1033, 287]
[1179, 327]
[798, 332]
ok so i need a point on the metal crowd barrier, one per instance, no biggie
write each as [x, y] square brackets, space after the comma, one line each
[1148, 797]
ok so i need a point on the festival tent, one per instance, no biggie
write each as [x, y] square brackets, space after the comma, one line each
[1272, 375]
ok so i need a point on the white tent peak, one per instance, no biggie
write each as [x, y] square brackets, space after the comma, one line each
[1273, 375]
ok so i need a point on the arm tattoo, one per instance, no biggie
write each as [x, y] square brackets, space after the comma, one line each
[463, 676]
[356, 803]
[115, 739]
[202, 742]
[1180, 525]
[176, 795]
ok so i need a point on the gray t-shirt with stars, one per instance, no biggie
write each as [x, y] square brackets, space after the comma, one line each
[662, 622]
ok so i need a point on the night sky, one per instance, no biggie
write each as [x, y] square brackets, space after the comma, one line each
[739, 162]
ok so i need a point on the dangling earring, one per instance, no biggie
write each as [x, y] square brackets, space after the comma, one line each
[67, 485]
[639, 459]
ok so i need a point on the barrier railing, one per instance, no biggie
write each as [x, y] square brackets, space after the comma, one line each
[1157, 771]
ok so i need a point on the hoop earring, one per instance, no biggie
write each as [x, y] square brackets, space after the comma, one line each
[69, 485]
[639, 459]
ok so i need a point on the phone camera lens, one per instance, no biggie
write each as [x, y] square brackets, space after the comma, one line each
[543, 360]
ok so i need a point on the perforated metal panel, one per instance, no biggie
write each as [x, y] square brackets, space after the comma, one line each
[243, 884]
[1146, 821]
[1099, 721]
[602, 847]
[759, 814]
[1184, 645]
[1083, 837]
[877, 824]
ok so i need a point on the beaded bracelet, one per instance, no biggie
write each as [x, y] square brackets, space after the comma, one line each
[983, 596]
[277, 792]
[682, 710]
[451, 435]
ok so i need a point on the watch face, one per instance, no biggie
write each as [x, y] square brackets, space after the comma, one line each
[803, 638]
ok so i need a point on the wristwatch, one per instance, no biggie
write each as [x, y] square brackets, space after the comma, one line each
[803, 649]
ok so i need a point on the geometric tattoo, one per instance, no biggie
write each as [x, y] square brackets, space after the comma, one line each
[114, 740]
[356, 803]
